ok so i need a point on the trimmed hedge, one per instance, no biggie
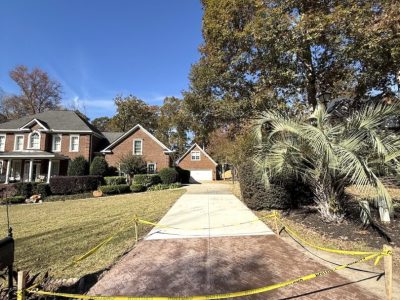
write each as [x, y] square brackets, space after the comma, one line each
[256, 195]
[175, 185]
[114, 189]
[78, 167]
[147, 179]
[43, 189]
[67, 185]
[26, 189]
[158, 187]
[183, 175]
[13, 200]
[99, 166]
[163, 186]
[137, 188]
[168, 175]
[115, 180]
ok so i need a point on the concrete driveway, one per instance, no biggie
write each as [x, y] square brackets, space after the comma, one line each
[209, 210]
[186, 262]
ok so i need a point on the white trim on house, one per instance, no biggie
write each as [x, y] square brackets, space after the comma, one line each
[128, 133]
[141, 146]
[16, 136]
[29, 146]
[31, 122]
[70, 142]
[53, 148]
[2, 149]
[201, 150]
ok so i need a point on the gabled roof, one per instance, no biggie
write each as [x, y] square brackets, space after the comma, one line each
[54, 120]
[31, 122]
[201, 150]
[131, 131]
[111, 136]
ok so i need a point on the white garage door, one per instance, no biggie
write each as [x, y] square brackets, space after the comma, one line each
[200, 175]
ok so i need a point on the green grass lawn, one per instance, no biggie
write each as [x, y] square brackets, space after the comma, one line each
[49, 235]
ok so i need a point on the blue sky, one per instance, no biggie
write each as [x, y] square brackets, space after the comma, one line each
[97, 49]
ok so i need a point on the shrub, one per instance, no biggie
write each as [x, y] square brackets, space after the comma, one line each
[256, 195]
[65, 185]
[114, 189]
[114, 180]
[159, 187]
[8, 190]
[147, 179]
[168, 175]
[99, 166]
[26, 189]
[183, 175]
[132, 164]
[13, 200]
[175, 185]
[43, 189]
[78, 167]
[137, 188]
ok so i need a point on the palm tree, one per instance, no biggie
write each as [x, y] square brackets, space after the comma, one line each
[329, 153]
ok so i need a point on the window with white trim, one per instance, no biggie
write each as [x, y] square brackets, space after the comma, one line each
[137, 147]
[74, 143]
[19, 143]
[2, 142]
[56, 144]
[34, 140]
[151, 168]
[195, 155]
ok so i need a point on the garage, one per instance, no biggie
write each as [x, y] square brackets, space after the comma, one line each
[201, 175]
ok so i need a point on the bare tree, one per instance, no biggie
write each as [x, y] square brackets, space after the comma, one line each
[39, 93]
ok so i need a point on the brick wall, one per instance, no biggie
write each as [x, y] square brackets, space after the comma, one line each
[203, 164]
[152, 151]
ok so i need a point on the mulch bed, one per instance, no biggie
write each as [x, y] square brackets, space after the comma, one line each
[351, 229]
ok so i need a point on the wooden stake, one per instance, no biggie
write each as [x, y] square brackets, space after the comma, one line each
[21, 285]
[388, 264]
[136, 231]
[276, 225]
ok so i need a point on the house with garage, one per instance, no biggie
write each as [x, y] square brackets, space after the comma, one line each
[201, 166]
[37, 147]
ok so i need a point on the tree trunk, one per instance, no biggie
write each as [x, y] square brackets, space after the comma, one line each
[328, 202]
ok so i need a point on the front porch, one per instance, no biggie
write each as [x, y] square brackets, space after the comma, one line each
[31, 168]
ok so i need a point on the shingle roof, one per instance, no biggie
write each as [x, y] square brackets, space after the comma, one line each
[112, 136]
[56, 120]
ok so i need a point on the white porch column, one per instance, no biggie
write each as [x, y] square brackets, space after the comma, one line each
[49, 170]
[30, 170]
[8, 170]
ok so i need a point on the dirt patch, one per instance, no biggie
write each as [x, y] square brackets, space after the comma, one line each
[185, 267]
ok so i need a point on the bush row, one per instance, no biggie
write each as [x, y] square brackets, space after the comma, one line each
[66, 185]
[114, 189]
[147, 179]
[115, 180]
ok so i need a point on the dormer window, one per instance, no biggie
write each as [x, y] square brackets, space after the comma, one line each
[34, 140]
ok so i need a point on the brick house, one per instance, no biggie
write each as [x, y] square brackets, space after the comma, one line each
[202, 167]
[34, 148]
[139, 142]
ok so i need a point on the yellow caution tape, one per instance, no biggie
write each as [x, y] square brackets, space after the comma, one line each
[106, 241]
[204, 228]
[219, 296]
[296, 236]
